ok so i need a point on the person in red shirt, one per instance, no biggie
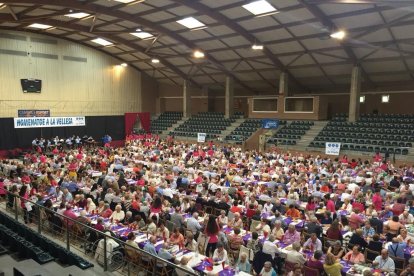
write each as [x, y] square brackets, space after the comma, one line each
[398, 207]
[107, 212]
[330, 205]
[377, 200]
[250, 211]
[293, 212]
[99, 225]
[70, 214]
[235, 208]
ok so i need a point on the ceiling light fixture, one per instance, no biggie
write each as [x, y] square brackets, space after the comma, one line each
[260, 8]
[257, 47]
[39, 26]
[385, 98]
[77, 15]
[155, 60]
[143, 35]
[2, 5]
[124, 64]
[338, 35]
[192, 23]
[198, 54]
[102, 41]
[129, 1]
[362, 99]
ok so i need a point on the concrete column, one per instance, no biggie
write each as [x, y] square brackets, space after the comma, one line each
[229, 98]
[186, 100]
[354, 94]
[283, 84]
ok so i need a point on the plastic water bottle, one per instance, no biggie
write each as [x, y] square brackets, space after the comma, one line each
[196, 250]
[236, 270]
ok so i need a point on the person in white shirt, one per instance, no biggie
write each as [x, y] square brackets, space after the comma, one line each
[313, 243]
[168, 192]
[222, 219]
[269, 247]
[384, 262]
[268, 207]
[220, 254]
[162, 231]
[406, 218]
[294, 256]
[263, 227]
[118, 215]
[183, 268]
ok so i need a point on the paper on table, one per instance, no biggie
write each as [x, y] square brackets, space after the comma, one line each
[158, 243]
[216, 269]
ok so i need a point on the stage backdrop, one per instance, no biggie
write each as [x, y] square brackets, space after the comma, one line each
[96, 126]
[130, 119]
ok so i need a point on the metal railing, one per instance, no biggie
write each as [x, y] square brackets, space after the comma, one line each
[95, 246]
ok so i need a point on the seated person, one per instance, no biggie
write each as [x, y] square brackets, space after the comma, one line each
[327, 218]
[375, 244]
[332, 266]
[396, 248]
[383, 262]
[354, 256]
[293, 212]
[313, 243]
[368, 231]
[336, 250]
[357, 238]
[267, 270]
[315, 262]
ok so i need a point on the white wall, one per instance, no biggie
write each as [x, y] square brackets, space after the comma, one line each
[95, 87]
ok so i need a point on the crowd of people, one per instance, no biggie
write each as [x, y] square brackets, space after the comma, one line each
[294, 213]
[72, 142]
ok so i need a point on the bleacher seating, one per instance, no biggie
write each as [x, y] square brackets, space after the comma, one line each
[292, 132]
[211, 123]
[244, 130]
[164, 121]
[371, 133]
[30, 244]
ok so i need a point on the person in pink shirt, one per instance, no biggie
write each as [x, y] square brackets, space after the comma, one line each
[291, 235]
[330, 205]
[355, 220]
[70, 214]
[377, 200]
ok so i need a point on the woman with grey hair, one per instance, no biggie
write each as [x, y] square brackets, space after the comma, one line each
[243, 263]
[336, 249]
[267, 270]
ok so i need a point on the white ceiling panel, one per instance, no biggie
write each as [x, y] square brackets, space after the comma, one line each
[258, 22]
[288, 47]
[294, 16]
[272, 35]
[388, 66]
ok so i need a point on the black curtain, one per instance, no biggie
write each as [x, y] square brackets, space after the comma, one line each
[96, 126]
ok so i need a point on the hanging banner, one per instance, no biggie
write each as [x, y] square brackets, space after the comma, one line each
[332, 148]
[33, 113]
[201, 137]
[48, 122]
[270, 123]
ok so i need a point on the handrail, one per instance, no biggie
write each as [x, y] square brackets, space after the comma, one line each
[100, 233]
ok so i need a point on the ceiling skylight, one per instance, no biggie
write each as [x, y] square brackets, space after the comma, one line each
[260, 8]
[126, 1]
[39, 26]
[101, 41]
[77, 15]
[191, 23]
[143, 35]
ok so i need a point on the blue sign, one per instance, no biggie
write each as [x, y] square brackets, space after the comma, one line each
[270, 123]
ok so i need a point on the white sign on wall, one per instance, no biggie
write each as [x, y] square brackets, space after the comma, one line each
[35, 122]
[332, 148]
[201, 137]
